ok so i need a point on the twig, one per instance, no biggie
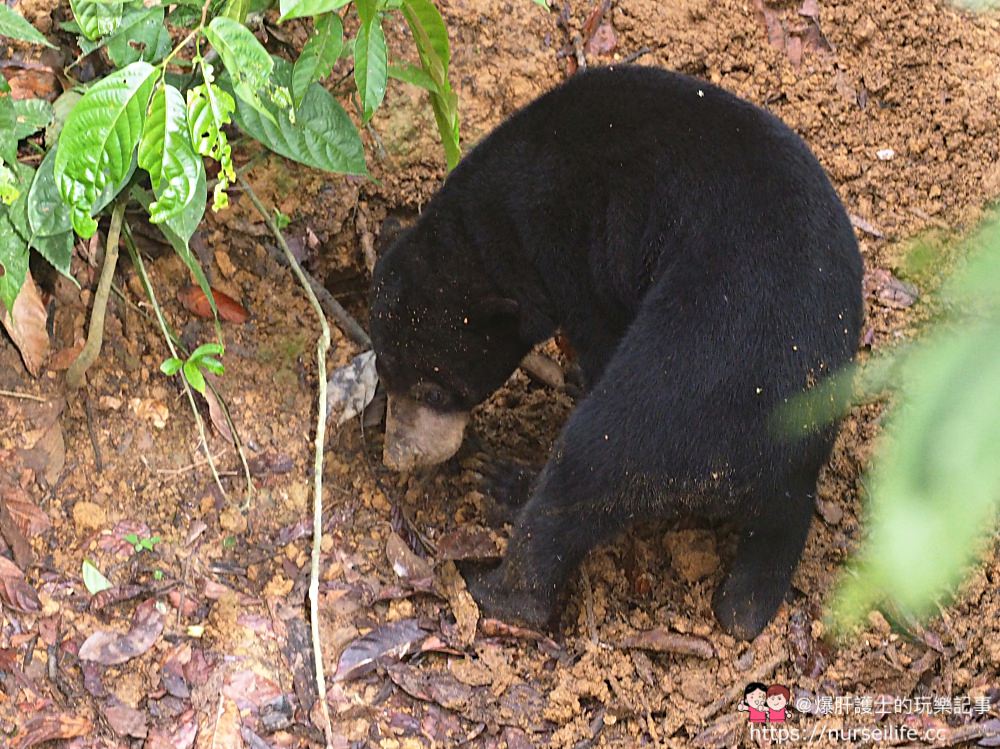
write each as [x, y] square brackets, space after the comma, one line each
[322, 346]
[98, 463]
[735, 691]
[641, 52]
[348, 325]
[95, 335]
[165, 329]
[22, 396]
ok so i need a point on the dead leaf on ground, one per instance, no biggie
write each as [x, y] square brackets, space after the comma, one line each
[217, 413]
[723, 733]
[603, 42]
[50, 727]
[125, 720]
[889, 291]
[463, 605]
[195, 302]
[662, 640]
[468, 541]
[431, 686]
[225, 732]
[150, 410]
[14, 589]
[386, 644]
[47, 456]
[111, 648]
[249, 690]
[410, 568]
[351, 388]
[179, 734]
[27, 328]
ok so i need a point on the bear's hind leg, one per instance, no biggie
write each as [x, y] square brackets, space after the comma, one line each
[770, 546]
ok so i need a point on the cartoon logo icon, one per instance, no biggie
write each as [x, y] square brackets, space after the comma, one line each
[765, 704]
[755, 702]
[777, 703]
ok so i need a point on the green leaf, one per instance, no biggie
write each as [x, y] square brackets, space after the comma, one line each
[366, 10]
[47, 213]
[171, 366]
[13, 258]
[542, 3]
[371, 66]
[95, 18]
[206, 349]
[322, 136]
[247, 62]
[237, 10]
[186, 223]
[213, 365]
[165, 152]
[93, 580]
[413, 75]
[194, 376]
[318, 56]
[8, 119]
[431, 37]
[141, 36]
[14, 26]
[57, 250]
[300, 8]
[209, 109]
[30, 116]
[10, 190]
[99, 139]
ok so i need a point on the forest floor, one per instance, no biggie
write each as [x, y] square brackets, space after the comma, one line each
[901, 103]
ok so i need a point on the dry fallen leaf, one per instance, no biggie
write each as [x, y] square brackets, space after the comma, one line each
[111, 648]
[42, 728]
[889, 291]
[195, 301]
[47, 456]
[662, 640]
[27, 327]
[14, 589]
[125, 720]
[411, 569]
[351, 387]
[463, 606]
[385, 644]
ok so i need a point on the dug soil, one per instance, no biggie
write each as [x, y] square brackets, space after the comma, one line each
[901, 103]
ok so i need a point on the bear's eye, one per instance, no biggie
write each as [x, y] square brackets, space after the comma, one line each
[432, 395]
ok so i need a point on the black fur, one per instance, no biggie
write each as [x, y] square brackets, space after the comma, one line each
[697, 258]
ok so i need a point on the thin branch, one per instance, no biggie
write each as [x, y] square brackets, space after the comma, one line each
[141, 267]
[322, 346]
[22, 396]
[95, 335]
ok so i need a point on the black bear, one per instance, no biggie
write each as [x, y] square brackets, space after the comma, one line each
[691, 249]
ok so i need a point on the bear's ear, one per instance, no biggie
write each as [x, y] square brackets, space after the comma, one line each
[493, 306]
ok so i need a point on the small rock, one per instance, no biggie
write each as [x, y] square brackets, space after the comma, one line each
[88, 516]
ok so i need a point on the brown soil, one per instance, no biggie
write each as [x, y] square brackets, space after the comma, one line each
[918, 77]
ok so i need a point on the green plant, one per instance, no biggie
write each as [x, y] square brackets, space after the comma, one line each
[166, 107]
[202, 358]
[145, 543]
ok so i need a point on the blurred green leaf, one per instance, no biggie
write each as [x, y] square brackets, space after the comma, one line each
[300, 8]
[97, 19]
[141, 35]
[371, 66]
[30, 116]
[246, 60]
[93, 579]
[14, 26]
[318, 56]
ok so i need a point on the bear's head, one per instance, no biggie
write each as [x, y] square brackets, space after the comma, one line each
[444, 339]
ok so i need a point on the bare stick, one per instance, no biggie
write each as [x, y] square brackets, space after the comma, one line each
[141, 267]
[322, 346]
[22, 396]
[95, 335]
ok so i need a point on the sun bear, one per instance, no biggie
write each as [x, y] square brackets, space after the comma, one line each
[693, 252]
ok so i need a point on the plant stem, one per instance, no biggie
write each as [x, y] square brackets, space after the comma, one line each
[165, 329]
[322, 346]
[95, 334]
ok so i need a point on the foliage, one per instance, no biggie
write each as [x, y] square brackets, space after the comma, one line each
[144, 543]
[202, 359]
[145, 120]
[934, 484]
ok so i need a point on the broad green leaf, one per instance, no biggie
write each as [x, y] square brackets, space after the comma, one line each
[171, 366]
[57, 250]
[209, 109]
[9, 188]
[366, 10]
[322, 136]
[95, 18]
[431, 38]
[413, 75]
[186, 222]
[542, 3]
[371, 66]
[30, 116]
[13, 259]
[318, 56]
[237, 10]
[141, 36]
[99, 138]
[207, 349]
[212, 364]
[93, 579]
[194, 376]
[14, 26]
[61, 109]
[300, 8]
[165, 152]
[246, 60]
[8, 120]
[48, 215]
[18, 210]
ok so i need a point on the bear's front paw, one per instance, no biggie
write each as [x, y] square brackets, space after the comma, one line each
[499, 600]
[744, 603]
